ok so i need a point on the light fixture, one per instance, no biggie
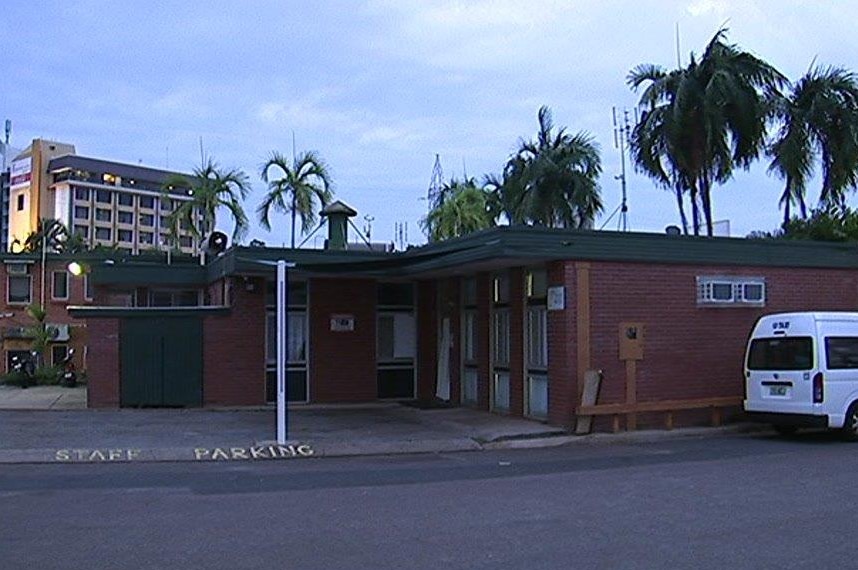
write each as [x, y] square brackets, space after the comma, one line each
[75, 268]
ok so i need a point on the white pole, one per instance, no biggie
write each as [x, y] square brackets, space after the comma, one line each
[281, 352]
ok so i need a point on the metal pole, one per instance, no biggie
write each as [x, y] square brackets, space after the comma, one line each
[282, 353]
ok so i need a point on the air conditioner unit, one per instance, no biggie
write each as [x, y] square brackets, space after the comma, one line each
[60, 332]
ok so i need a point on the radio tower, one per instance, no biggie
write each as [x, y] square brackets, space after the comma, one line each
[435, 196]
[622, 131]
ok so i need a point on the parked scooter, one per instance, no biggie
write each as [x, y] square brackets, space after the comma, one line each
[25, 366]
[67, 373]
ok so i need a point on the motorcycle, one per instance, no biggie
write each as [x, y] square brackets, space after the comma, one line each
[67, 373]
[25, 366]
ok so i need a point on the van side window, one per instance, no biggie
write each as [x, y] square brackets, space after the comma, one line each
[841, 352]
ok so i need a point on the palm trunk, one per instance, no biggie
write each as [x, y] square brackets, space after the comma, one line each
[787, 199]
[680, 203]
[293, 220]
[705, 197]
[695, 211]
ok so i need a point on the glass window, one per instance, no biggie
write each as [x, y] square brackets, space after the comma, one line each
[103, 215]
[125, 217]
[469, 291]
[297, 337]
[186, 241]
[125, 236]
[722, 291]
[82, 231]
[147, 202]
[841, 352]
[537, 284]
[20, 202]
[752, 292]
[501, 289]
[537, 337]
[147, 220]
[103, 196]
[297, 293]
[103, 234]
[18, 289]
[146, 238]
[166, 205]
[395, 294]
[126, 199]
[58, 354]
[81, 193]
[469, 336]
[59, 285]
[81, 212]
[501, 338]
[396, 336]
[165, 222]
[88, 293]
[795, 353]
[186, 299]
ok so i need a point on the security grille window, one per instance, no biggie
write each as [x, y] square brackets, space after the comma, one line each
[59, 285]
[126, 199]
[396, 340]
[147, 202]
[18, 288]
[125, 217]
[731, 291]
[103, 196]
[81, 213]
[841, 353]
[102, 215]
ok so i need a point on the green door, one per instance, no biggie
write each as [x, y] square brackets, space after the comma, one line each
[161, 361]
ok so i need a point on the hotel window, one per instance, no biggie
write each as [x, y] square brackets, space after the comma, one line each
[103, 234]
[20, 202]
[102, 215]
[166, 205]
[165, 222]
[186, 241]
[18, 289]
[103, 196]
[82, 231]
[81, 193]
[125, 217]
[146, 238]
[147, 202]
[108, 178]
[81, 212]
[124, 236]
[126, 199]
[147, 220]
[59, 285]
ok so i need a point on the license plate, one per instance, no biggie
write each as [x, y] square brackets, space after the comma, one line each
[778, 390]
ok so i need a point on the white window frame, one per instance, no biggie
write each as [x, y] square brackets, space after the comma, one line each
[706, 285]
[29, 300]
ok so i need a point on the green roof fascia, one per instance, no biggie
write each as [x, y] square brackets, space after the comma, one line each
[86, 312]
[187, 275]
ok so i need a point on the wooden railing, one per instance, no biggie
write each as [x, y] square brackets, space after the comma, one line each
[669, 407]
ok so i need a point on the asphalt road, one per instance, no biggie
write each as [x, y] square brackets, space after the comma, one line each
[721, 502]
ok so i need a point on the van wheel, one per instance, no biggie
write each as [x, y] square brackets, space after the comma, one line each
[850, 424]
[786, 431]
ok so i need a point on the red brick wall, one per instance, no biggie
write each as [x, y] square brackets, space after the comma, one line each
[562, 377]
[342, 364]
[103, 363]
[691, 351]
[451, 309]
[234, 349]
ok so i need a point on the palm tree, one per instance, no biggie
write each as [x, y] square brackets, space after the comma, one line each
[466, 208]
[303, 181]
[552, 181]
[704, 120]
[50, 233]
[210, 188]
[819, 121]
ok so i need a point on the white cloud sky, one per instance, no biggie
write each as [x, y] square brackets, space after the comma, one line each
[379, 87]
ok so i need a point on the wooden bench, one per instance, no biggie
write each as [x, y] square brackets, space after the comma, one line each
[667, 406]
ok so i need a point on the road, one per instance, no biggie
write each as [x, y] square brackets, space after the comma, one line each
[717, 502]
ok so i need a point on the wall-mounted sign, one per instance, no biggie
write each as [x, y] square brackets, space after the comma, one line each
[556, 298]
[20, 172]
[342, 323]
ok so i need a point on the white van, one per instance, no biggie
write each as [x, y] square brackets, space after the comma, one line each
[801, 369]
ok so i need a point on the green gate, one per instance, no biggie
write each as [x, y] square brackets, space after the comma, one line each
[161, 360]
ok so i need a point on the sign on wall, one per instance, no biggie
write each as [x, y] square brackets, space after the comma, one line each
[342, 323]
[556, 298]
[20, 172]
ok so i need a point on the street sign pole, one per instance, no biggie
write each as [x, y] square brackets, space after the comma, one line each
[282, 353]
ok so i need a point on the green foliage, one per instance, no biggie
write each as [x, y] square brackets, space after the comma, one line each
[14, 379]
[829, 223]
[210, 187]
[463, 208]
[303, 181]
[55, 237]
[39, 331]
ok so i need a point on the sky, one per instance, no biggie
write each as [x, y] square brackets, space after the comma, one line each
[379, 87]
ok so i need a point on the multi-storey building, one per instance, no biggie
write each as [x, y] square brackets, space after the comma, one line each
[4, 210]
[109, 203]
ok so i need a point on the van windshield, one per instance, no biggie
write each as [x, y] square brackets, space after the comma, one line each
[794, 353]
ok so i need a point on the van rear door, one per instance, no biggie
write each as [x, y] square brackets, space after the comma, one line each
[778, 374]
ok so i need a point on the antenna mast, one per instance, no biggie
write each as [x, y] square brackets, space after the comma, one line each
[622, 132]
[435, 196]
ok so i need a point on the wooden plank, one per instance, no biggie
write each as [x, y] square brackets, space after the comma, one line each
[631, 394]
[592, 382]
[662, 406]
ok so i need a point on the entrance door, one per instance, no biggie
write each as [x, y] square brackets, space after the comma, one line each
[161, 362]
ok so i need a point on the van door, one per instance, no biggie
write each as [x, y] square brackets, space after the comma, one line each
[840, 387]
[779, 371]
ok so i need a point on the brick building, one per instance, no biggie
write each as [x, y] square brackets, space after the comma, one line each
[509, 320]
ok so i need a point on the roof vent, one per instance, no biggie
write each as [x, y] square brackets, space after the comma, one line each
[672, 230]
[338, 214]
